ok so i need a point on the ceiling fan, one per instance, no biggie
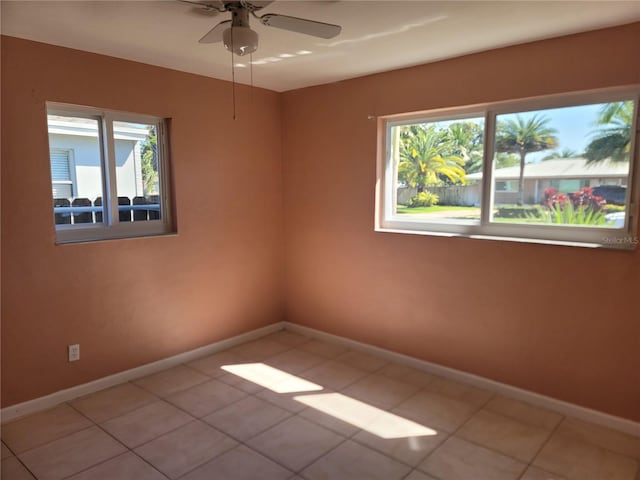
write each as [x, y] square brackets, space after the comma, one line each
[237, 35]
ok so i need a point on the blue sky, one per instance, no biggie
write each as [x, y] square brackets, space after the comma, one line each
[575, 126]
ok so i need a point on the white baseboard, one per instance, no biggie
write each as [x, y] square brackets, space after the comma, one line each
[42, 403]
[565, 408]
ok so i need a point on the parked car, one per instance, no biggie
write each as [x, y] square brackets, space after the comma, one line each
[613, 194]
[616, 219]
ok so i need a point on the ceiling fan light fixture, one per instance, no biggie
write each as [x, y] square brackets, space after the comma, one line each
[240, 40]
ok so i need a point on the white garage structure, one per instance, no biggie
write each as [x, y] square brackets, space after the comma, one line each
[76, 170]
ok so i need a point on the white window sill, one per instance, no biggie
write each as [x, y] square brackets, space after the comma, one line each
[625, 243]
[102, 237]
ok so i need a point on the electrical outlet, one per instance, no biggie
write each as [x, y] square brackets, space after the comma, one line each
[74, 352]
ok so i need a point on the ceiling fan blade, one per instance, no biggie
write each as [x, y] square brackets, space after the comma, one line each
[257, 4]
[213, 5]
[215, 34]
[301, 25]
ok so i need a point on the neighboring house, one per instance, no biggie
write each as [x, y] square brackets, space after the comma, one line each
[566, 175]
[75, 158]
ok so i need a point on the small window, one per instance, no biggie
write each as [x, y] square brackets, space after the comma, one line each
[61, 168]
[505, 186]
[109, 173]
[557, 169]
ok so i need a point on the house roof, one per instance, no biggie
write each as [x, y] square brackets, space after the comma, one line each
[84, 127]
[561, 168]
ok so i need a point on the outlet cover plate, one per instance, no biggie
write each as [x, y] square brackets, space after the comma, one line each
[74, 352]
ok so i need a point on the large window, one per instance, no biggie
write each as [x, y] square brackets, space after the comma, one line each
[557, 169]
[109, 173]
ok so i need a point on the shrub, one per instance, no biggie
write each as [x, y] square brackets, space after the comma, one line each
[614, 208]
[423, 199]
[519, 211]
[579, 208]
[583, 198]
[581, 215]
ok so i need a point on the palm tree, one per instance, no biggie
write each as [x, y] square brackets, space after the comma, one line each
[614, 138]
[467, 141]
[506, 160]
[149, 166]
[565, 153]
[425, 157]
[521, 137]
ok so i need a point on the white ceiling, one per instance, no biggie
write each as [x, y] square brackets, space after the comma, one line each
[376, 35]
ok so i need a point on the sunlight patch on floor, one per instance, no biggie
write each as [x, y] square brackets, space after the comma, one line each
[365, 416]
[272, 378]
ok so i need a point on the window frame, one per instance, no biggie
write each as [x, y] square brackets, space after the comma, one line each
[387, 221]
[111, 227]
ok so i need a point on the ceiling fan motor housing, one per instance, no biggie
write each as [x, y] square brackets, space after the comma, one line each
[240, 40]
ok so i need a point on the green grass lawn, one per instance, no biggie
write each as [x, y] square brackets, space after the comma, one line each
[436, 208]
[539, 221]
[473, 213]
[518, 220]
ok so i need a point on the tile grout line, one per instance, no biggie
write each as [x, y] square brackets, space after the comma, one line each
[359, 430]
[291, 415]
[237, 440]
[297, 414]
[544, 444]
[389, 410]
[345, 440]
[162, 399]
[243, 442]
[346, 437]
[156, 396]
[14, 455]
[423, 388]
[40, 445]
[133, 382]
[528, 463]
[111, 458]
[194, 418]
[452, 434]
[588, 442]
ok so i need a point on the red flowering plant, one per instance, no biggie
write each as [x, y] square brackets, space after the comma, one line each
[581, 207]
[551, 198]
[585, 198]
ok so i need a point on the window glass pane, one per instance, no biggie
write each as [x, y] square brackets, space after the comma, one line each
[437, 168]
[137, 171]
[563, 166]
[76, 170]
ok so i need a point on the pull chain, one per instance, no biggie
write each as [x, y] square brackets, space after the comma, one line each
[233, 77]
[251, 70]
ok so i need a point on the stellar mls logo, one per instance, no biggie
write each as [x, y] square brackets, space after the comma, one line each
[621, 240]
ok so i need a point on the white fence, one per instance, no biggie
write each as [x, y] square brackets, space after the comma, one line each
[83, 210]
[450, 195]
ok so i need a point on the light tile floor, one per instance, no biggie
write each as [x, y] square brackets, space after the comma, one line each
[357, 417]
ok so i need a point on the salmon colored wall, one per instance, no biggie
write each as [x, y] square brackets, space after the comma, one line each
[556, 320]
[561, 321]
[130, 302]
